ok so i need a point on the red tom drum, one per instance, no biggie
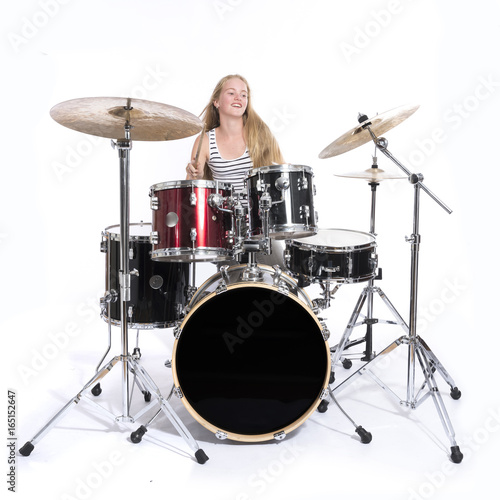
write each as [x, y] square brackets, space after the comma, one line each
[186, 225]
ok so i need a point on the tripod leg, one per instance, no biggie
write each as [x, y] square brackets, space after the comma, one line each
[136, 436]
[399, 320]
[30, 445]
[455, 392]
[456, 455]
[165, 406]
[364, 435]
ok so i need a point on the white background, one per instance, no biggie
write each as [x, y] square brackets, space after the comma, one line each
[312, 66]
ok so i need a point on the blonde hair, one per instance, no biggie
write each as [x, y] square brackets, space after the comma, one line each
[261, 143]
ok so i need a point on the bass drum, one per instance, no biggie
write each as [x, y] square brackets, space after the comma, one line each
[251, 359]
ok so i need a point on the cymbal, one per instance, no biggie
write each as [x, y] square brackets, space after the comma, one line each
[107, 117]
[357, 136]
[372, 175]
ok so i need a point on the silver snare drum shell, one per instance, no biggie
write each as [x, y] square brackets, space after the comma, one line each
[292, 190]
[340, 255]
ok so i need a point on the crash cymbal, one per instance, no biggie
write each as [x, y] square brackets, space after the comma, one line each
[107, 117]
[357, 136]
[372, 175]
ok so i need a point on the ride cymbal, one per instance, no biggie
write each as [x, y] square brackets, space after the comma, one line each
[107, 117]
[359, 135]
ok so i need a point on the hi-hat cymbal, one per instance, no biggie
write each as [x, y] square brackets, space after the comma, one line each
[107, 117]
[357, 136]
[372, 175]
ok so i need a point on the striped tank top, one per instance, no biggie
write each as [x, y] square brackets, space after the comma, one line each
[231, 171]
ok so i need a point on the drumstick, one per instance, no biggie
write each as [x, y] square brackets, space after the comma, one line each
[199, 145]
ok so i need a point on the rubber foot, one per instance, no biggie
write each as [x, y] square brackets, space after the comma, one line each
[147, 396]
[364, 435]
[331, 380]
[347, 363]
[96, 390]
[26, 450]
[455, 393]
[323, 406]
[136, 437]
[456, 455]
[201, 457]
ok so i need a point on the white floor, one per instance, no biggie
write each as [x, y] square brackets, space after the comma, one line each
[88, 456]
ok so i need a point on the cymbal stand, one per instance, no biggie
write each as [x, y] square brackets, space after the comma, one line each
[129, 363]
[417, 347]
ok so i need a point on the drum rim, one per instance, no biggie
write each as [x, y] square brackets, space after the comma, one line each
[250, 437]
[285, 167]
[330, 249]
[186, 254]
[199, 183]
[217, 277]
[113, 236]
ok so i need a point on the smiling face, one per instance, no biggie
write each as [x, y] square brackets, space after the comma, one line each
[233, 99]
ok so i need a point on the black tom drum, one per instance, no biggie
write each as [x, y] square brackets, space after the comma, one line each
[158, 290]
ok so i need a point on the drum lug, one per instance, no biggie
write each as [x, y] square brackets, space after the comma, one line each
[177, 332]
[374, 261]
[349, 264]
[221, 435]
[178, 392]
[325, 332]
[279, 436]
[282, 288]
[324, 394]
[221, 288]
[277, 275]
[104, 246]
[302, 183]
[192, 198]
[154, 238]
[154, 203]
[305, 213]
[193, 234]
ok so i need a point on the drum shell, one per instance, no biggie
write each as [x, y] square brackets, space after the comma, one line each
[292, 214]
[249, 369]
[158, 294]
[185, 226]
[344, 264]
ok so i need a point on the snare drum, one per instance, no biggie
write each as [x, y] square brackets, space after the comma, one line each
[291, 189]
[333, 254]
[158, 290]
[251, 359]
[185, 225]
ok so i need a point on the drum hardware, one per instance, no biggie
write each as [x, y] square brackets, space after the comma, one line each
[417, 347]
[123, 120]
[327, 295]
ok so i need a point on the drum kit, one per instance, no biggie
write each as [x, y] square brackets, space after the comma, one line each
[251, 359]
